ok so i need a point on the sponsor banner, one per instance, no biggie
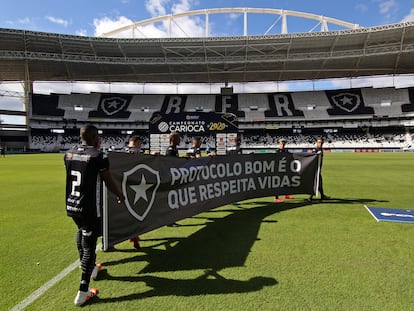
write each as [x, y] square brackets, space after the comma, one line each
[193, 123]
[162, 190]
[202, 124]
[391, 214]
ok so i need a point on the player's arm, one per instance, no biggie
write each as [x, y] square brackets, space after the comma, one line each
[110, 184]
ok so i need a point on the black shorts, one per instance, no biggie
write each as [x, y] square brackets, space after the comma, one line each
[94, 225]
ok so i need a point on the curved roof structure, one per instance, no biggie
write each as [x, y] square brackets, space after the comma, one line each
[135, 30]
[36, 56]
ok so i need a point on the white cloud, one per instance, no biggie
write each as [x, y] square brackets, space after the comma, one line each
[156, 7]
[361, 7]
[183, 6]
[409, 17]
[191, 26]
[388, 8]
[152, 31]
[106, 24]
[81, 32]
[24, 21]
[234, 16]
[59, 21]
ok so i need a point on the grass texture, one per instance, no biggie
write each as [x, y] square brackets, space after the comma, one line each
[253, 255]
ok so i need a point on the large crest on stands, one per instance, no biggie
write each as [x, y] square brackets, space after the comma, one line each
[139, 186]
[113, 105]
[347, 101]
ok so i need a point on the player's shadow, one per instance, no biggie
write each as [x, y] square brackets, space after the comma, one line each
[210, 283]
[224, 242]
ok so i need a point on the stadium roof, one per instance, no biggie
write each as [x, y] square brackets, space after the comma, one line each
[36, 56]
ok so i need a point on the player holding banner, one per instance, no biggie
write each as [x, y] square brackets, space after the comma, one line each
[282, 149]
[319, 150]
[85, 165]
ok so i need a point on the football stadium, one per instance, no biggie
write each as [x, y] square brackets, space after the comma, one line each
[235, 222]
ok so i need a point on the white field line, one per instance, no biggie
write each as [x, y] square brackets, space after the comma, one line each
[45, 287]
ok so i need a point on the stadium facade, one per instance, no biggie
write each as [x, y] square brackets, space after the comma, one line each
[358, 113]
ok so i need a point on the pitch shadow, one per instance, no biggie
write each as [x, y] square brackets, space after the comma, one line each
[210, 283]
[223, 242]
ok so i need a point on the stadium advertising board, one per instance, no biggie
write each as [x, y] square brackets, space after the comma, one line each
[223, 125]
[162, 190]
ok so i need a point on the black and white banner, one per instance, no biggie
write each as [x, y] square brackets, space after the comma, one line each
[162, 190]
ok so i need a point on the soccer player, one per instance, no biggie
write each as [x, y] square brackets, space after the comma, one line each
[194, 151]
[236, 149]
[172, 150]
[319, 150]
[3, 152]
[134, 145]
[282, 149]
[85, 165]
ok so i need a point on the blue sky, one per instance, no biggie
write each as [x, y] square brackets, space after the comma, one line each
[87, 17]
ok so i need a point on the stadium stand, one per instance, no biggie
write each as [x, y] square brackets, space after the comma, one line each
[45, 143]
[253, 106]
[46, 105]
[78, 106]
[229, 104]
[386, 102]
[379, 138]
[205, 103]
[351, 118]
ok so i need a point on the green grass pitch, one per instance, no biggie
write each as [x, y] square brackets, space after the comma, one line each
[255, 255]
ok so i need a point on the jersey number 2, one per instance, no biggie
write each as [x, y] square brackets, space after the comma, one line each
[76, 183]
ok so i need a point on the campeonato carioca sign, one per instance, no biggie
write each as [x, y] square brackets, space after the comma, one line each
[198, 123]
